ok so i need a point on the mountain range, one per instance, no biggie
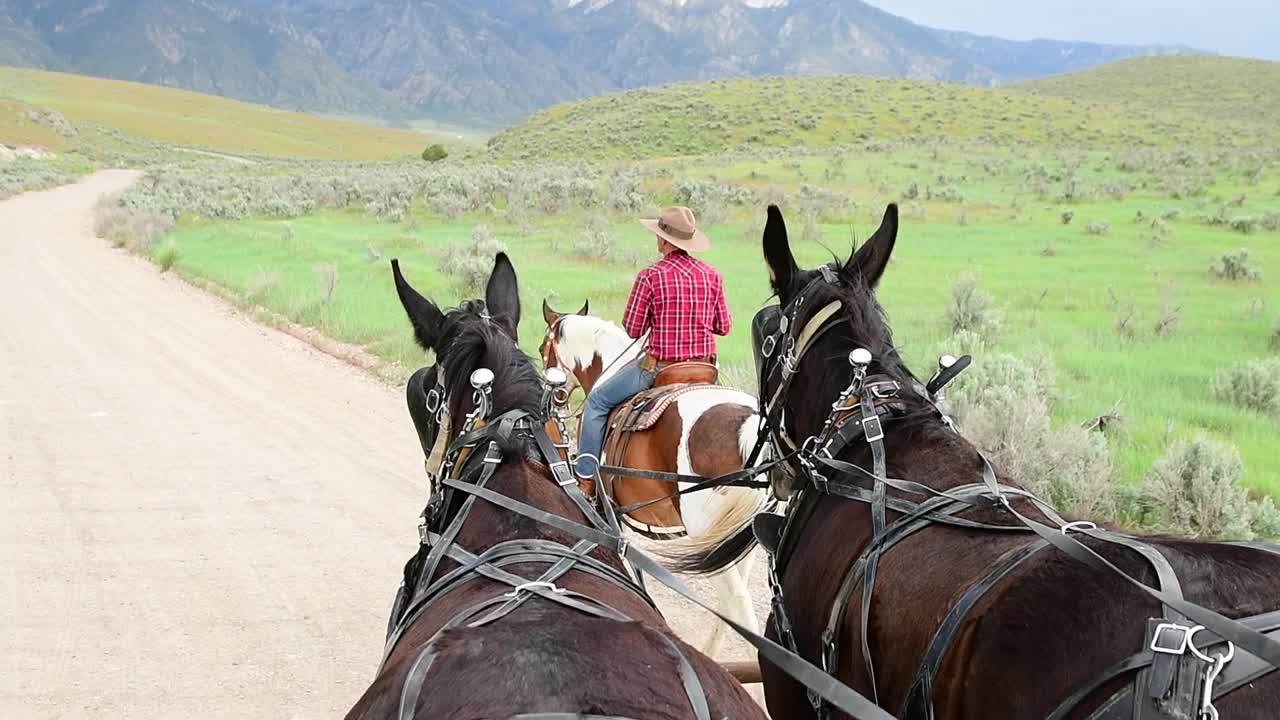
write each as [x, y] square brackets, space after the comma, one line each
[490, 63]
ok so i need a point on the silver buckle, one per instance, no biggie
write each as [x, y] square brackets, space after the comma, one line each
[434, 399]
[1179, 644]
[556, 468]
[768, 346]
[872, 428]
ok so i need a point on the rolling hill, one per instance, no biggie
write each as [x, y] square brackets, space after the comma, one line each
[180, 118]
[1102, 107]
[490, 63]
[1236, 92]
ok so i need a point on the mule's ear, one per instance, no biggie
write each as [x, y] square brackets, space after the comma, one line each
[872, 258]
[425, 317]
[502, 296]
[549, 315]
[586, 307]
[777, 252]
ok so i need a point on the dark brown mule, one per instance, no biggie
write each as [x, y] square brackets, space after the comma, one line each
[972, 622]
[484, 640]
[705, 430]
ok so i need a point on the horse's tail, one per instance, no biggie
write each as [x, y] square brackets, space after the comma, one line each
[730, 537]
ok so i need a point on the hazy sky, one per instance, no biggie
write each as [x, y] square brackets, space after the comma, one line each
[1232, 27]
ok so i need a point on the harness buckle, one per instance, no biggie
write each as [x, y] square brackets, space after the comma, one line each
[1170, 639]
[885, 390]
[873, 429]
[433, 401]
[525, 586]
[560, 471]
[769, 345]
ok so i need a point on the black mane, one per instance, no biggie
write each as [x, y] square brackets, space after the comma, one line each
[470, 341]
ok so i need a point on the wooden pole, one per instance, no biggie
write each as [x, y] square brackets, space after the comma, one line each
[746, 672]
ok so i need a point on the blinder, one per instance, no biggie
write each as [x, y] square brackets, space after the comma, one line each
[764, 330]
[424, 395]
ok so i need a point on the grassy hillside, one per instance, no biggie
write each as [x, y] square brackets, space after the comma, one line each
[179, 117]
[703, 118]
[1233, 92]
[1163, 102]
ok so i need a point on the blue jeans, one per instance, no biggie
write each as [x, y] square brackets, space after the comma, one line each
[629, 380]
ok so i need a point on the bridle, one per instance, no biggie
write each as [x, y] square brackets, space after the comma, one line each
[860, 413]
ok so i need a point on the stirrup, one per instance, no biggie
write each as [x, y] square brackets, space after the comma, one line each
[587, 476]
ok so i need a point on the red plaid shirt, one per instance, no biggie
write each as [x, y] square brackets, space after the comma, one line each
[681, 301]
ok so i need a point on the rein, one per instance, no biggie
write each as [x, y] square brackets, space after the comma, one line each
[602, 531]
[858, 416]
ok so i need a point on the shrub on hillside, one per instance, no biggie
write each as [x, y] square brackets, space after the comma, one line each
[1097, 227]
[972, 309]
[1234, 266]
[1195, 490]
[434, 153]
[624, 193]
[469, 264]
[1246, 224]
[596, 241]
[709, 200]
[1254, 385]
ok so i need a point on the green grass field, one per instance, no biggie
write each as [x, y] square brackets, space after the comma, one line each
[1065, 304]
[1090, 209]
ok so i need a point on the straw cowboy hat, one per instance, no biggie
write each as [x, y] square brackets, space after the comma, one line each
[678, 227]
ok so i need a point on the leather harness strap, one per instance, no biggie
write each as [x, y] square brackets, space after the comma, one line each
[920, 698]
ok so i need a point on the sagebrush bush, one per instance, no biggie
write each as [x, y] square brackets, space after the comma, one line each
[1254, 385]
[470, 263]
[1097, 227]
[1001, 404]
[596, 241]
[133, 229]
[624, 193]
[970, 308]
[1234, 266]
[710, 201]
[1195, 490]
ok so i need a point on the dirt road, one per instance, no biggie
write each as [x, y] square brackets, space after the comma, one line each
[201, 517]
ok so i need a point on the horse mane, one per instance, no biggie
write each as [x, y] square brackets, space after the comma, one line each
[469, 341]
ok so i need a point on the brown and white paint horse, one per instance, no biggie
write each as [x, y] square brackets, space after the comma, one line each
[708, 432]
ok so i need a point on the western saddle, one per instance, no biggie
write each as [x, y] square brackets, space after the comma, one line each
[638, 415]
